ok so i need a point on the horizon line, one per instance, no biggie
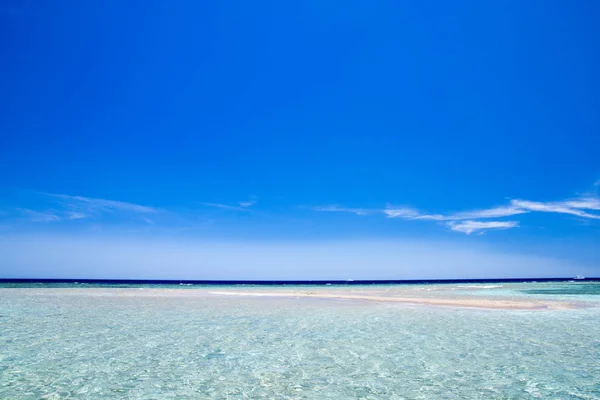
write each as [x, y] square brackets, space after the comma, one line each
[289, 282]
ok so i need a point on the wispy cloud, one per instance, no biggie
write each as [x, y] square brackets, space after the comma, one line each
[582, 207]
[573, 207]
[253, 200]
[516, 207]
[336, 208]
[94, 205]
[75, 215]
[586, 203]
[411, 213]
[242, 205]
[470, 226]
[402, 212]
[496, 212]
[62, 207]
[225, 206]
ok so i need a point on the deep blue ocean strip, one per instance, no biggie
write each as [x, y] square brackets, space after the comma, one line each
[284, 282]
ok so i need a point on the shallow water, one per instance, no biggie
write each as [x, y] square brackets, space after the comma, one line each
[141, 343]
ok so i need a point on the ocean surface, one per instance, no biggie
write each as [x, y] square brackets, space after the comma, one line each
[95, 341]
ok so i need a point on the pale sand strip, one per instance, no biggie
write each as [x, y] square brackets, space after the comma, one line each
[373, 296]
[449, 302]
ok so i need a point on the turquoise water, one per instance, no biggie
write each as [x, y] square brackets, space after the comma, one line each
[171, 343]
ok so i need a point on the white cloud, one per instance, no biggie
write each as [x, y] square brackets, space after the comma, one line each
[336, 208]
[470, 226]
[497, 212]
[225, 206]
[66, 207]
[410, 213]
[242, 205]
[101, 205]
[75, 215]
[249, 203]
[579, 206]
[401, 212]
[585, 203]
[572, 207]
[516, 207]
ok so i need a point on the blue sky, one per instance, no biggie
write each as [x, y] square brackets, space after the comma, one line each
[314, 140]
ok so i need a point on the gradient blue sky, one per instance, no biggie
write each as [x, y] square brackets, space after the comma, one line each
[308, 140]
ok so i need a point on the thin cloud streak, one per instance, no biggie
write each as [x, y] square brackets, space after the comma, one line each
[402, 212]
[225, 206]
[565, 207]
[248, 203]
[497, 212]
[336, 208]
[516, 207]
[586, 203]
[469, 226]
[242, 205]
[76, 215]
[579, 207]
[102, 205]
[66, 207]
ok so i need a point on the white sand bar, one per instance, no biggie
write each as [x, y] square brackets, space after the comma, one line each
[432, 301]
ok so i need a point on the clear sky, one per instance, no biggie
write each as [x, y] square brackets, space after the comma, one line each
[299, 140]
